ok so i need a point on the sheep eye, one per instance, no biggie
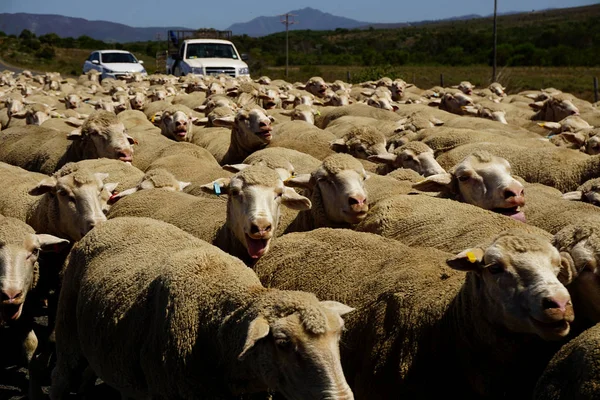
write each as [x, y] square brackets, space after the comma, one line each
[34, 254]
[463, 178]
[495, 268]
[62, 192]
[283, 343]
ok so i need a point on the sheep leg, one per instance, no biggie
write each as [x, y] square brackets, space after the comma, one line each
[66, 373]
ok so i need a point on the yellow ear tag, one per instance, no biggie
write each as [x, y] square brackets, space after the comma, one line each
[318, 112]
[152, 119]
[471, 257]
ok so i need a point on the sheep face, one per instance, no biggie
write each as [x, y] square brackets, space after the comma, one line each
[285, 341]
[121, 102]
[176, 125]
[36, 117]
[269, 99]
[18, 261]
[580, 246]
[412, 155]
[253, 206]
[14, 107]
[78, 199]
[497, 89]
[518, 276]
[317, 86]
[138, 101]
[455, 103]
[361, 142]
[254, 127]
[556, 109]
[106, 135]
[466, 87]
[304, 113]
[592, 145]
[215, 88]
[486, 181]
[72, 101]
[343, 194]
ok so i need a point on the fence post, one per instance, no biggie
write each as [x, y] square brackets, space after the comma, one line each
[595, 89]
[442, 80]
[348, 77]
[414, 81]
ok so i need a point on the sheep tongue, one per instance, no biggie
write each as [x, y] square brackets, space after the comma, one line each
[256, 247]
[518, 215]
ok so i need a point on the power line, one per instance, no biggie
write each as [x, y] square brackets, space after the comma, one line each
[287, 22]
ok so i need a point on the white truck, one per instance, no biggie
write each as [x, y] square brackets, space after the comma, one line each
[203, 52]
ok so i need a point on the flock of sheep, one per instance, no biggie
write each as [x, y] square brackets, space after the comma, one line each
[216, 238]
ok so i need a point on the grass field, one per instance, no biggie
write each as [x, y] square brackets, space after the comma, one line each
[575, 80]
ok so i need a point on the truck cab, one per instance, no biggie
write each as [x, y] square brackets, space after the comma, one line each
[203, 56]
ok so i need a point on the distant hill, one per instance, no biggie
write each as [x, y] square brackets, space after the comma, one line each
[41, 24]
[306, 18]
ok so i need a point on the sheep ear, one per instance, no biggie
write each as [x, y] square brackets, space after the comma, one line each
[468, 260]
[111, 186]
[574, 137]
[388, 159]
[338, 145]
[49, 243]
[235, 168]
[337, 307]
[435, 183]
[537, 105]
[183, 185]
[218, 186]
[74, 121]
[122, 194]
[259, 328]
[573, 196]
[568, 271]
[224, 121]
[300, 181]
[75, 134]
[295, 201]
[550, 125]
[46, 185]
[201, 121]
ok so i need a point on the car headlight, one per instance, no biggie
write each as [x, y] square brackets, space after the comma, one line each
[198, 70]
[143, 71]
[244, 71]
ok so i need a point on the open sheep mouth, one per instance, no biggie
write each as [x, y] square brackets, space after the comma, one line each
[269, 105]
[265, 132]
[355, 217]
[513, 212]
[181, 132]
[559, 328]
[10, 311]
[257, 247]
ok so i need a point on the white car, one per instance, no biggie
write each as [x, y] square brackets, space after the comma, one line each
[113, 63]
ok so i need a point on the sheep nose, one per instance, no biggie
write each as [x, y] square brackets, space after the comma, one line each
[10, 295]
[556, 302]
[357, 201]
[260, 228]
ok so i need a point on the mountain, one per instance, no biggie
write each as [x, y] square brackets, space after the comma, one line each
[41, 24]
[306, 18]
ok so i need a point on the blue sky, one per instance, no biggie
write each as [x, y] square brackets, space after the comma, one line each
[221, 14]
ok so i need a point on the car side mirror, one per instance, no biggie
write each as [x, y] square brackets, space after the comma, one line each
[95, 62]
[141, 61]
[245, 57]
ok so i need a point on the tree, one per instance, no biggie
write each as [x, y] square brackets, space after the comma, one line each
[26, 34]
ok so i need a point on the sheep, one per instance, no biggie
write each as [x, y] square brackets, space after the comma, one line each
[547, 209]
[573, 371]
[46, 150]
[278, 157]
[177, 122]
[67, 204]
[303, 137]
[413, 155]
[337, 194]
[422, 220]
[455, 103]
[589, 192]
[316, 86]
[302, 112]
[123, 174]
[185, 305]
[418, 310]
[243, 226]
[155, 179]
[555, 108]
[329, 114]
[250, 131]
[361, 142]
[342, 125]
[572, 123]
[564, 169]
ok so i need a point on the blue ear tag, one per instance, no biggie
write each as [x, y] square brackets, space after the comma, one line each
[217, 188]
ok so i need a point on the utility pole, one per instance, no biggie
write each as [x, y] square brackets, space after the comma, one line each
[287, 22]
[495, 40]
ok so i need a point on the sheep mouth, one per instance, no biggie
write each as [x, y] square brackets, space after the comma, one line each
[10, 311]
[355, 217]
[257, 247]
[556, 329]
[270, 105]
[512, 212]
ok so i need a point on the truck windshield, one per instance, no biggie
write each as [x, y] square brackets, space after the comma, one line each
[210, 50]
[118, 58]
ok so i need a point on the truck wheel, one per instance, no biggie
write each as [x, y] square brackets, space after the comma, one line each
[177, 71]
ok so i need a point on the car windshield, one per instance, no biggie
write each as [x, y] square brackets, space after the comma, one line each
[108, 58]
[210, 50]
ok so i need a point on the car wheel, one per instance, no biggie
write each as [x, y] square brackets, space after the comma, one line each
[177, 71]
